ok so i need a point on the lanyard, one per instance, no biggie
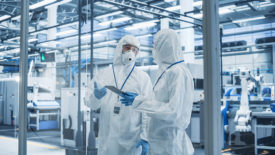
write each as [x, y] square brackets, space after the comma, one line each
[125, 79]
[165, 71]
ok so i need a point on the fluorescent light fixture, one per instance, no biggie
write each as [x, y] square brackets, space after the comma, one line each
[40, 4]
[169, 0]
[4, 17]
[248, 19]
[106, 30]
[18, 17]
[12, 39]
[65, 32]
[84, 37]
[143, 36]
[43, 23]
[58, 3]
[50, 43]
[173, 8]
[35, 54]
[39, 32]
[13, 51]
[32, 40]
[268, 4]
[110, 14]
[142, 25]
[224, 10]
[107, 42]
[115, 20]
[197, 3]
[199, 15]
[68, 25]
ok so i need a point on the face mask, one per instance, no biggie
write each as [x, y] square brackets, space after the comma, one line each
[128, 57]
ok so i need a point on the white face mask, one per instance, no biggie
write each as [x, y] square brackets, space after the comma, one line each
[128, 57]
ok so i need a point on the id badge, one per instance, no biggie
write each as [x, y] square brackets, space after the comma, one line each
[116, 110]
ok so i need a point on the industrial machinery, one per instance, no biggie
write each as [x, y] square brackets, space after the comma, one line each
[77, 125]
[242, 117]
[43, 110]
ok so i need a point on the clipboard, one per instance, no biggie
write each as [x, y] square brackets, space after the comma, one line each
[115, 90]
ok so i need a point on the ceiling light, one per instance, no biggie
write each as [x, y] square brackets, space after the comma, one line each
[18, 17]
[241, 8]
[143, 36]
[106, 30]
[199, 15]
[173, 8]
[110, 14]
[142, 25]
[107, 42]
[224, 10]
[50, 43]
[13, 51]
[268, 4]
[169, 0]
[40, 4]
[12, 39]
[4, 17]
[248, 19]
[32, 40]
[197, 3]
[116, 20]
[65, 32]
[68, 25]
[58, 3]
[84, 37]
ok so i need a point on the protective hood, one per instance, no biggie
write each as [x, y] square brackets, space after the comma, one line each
[167, 47]
[128, 39]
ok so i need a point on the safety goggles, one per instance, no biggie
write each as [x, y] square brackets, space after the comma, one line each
[130, 47]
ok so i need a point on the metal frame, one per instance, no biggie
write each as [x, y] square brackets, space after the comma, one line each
[24, 27]
[273, 61]
[144, 7]
[212, 77]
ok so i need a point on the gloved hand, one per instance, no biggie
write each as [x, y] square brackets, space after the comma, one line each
[145, 146]
[99, 93]
[128, 98]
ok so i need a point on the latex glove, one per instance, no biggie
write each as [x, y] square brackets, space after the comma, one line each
[128, 98]
[145, 146]
[99, 93]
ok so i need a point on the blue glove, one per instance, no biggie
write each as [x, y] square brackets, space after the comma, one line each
[128, 98]
[99, 93]
[145, 146]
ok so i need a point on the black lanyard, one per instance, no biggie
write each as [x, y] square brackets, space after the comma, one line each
[125, 79]
[165, 71]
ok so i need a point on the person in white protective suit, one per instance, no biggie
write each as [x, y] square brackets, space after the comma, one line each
[170, 108]
[122, 130]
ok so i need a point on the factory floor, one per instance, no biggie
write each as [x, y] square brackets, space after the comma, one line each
[48, 141]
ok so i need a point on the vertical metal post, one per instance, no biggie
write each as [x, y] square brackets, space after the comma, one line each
[24, 30]
[273, 61]
[79, 117]
[92, 39]
[212, 64]
[92, 138]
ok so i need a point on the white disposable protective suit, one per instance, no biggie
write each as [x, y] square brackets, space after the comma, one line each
[170, 108]
[120, 132]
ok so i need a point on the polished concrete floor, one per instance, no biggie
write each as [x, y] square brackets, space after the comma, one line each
[47, 142]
